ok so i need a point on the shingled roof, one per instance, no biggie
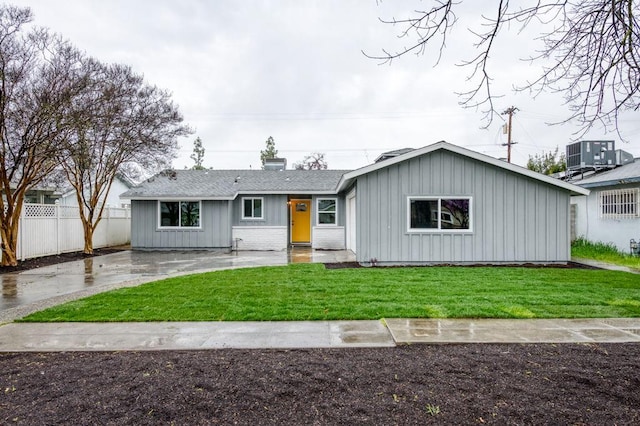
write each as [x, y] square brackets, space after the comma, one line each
[228, 184]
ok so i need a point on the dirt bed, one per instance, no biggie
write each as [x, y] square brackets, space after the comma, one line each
[571, 384]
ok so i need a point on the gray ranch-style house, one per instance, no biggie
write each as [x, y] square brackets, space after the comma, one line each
[438, 204]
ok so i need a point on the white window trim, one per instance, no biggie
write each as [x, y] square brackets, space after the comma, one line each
[261, 208]
[439, 230]
[179, 215]
[324, 225]
[628, 196]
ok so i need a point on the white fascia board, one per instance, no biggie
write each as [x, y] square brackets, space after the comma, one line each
[174, 198]
[288, 192]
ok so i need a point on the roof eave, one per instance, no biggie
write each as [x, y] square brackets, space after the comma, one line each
[289, 192]
[174, 198]
[612, 182]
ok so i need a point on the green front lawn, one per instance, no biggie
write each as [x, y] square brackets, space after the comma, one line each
[310, 292]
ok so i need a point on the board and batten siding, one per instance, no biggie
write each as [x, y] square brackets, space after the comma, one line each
[215, 230]
[274, 211]
[513, 218]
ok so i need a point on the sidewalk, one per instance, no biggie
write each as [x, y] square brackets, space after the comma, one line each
[21, 337]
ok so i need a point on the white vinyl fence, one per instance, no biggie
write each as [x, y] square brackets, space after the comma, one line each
[47, 229]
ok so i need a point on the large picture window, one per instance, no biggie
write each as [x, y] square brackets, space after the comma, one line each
[620, 203]
[439, 213]
[179, 214]
[252, 208]
[327, 211]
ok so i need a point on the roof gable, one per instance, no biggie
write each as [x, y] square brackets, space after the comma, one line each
[348, 178]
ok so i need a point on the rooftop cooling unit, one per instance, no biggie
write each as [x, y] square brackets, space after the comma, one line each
[591, 155]
[623, 157]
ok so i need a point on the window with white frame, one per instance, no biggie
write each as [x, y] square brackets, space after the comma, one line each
[327, 211]
[252, 208]
[619, 203]
[426, 214]
[179, 214]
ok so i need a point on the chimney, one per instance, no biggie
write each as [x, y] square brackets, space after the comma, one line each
[277, 164]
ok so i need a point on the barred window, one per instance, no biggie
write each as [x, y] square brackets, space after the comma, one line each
[619, 203]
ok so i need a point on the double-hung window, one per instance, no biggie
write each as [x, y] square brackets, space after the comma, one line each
[428, 214]
[252, 208]
[179, 214]
[327, 211]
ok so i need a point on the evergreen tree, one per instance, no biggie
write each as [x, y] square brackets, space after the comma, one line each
[269, 152]
[198, 154]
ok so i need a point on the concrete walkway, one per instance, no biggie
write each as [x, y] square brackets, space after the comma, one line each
[25, 337]
[39, 288]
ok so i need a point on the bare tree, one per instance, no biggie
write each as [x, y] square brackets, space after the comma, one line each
[592, 48]
[118, 121]
[39, 75]
[314, 161]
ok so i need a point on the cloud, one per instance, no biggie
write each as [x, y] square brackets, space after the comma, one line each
[245, 70]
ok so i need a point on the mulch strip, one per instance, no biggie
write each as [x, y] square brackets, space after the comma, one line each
[572, 384]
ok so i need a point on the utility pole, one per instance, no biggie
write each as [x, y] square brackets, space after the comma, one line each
[512, 110]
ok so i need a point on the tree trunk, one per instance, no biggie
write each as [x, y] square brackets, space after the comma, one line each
[88, 236]
[9, 242]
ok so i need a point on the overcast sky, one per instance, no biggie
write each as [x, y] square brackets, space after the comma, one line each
[242, 71]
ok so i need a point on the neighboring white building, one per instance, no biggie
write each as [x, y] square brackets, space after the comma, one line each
[121, 184]
[67, 195]
[611, 212]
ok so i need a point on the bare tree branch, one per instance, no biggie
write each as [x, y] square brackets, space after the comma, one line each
[590, 54]
[38, 79]
[117, 121]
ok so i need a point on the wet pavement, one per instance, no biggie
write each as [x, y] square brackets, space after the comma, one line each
[29, 291]
[27, 337]
[43, 337]
[609, 330]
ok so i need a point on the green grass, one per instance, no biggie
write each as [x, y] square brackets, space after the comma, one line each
[310, 292]
[603, 252]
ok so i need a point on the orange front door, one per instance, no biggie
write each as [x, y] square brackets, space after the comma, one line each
[300, 221]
